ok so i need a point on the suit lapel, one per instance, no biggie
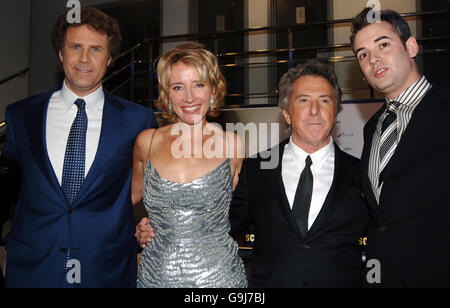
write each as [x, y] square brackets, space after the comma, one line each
[341, 180]
[280, 192]
[112, 125]
[419, 127]
[35, 122]
[365, 158]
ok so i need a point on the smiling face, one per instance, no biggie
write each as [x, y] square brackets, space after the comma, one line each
[387, 64]
[311, 112]
[85, 58]
[190, 97]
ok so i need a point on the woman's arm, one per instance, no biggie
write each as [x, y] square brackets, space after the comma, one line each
[236, 153]
[140, 156]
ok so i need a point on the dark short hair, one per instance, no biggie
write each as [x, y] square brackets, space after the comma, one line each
[400, 26]
[310, 68]
[93, 18]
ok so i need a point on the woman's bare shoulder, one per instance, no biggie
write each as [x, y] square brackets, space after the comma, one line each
[142, 144]
[145, 136]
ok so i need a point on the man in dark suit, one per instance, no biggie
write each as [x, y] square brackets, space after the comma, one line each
[73, 223]
[306, 234]
[405, 164]
[307, 211]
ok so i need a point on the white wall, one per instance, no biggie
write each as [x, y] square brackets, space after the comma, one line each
[174, 21]
[258, 76]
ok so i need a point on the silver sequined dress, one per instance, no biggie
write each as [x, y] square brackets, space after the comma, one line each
[191, 247]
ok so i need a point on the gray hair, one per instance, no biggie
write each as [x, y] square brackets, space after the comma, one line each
[310, 68]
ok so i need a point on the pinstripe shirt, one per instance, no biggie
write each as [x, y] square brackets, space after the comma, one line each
[409, 99]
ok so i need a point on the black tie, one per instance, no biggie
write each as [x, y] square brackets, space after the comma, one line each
[303, 195]
[391, 115]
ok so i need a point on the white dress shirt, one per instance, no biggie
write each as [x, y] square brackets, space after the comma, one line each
[60, 115]
[322, 168]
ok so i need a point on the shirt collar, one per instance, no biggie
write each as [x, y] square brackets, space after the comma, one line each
[318, 158]
[94, 101]
[413, 94]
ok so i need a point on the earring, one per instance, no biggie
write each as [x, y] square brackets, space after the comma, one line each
[169, 105]
[211, 102]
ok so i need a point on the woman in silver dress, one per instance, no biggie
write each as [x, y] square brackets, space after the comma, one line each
[185, 173]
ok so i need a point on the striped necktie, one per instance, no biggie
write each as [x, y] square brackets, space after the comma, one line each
[389, 136]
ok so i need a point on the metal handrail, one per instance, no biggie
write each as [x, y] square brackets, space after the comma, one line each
[130, 50]
[334, 59]
[14, 76]
[277, 28]
[266, 28]
[321, 47]
[197, 35]
[149, 42]
[2, 134]
[120, 70]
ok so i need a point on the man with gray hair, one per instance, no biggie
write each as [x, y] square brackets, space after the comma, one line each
[307, 211]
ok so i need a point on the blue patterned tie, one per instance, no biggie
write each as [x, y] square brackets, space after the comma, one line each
[75, 158]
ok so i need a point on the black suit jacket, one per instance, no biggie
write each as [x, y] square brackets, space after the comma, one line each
[328, 255]
[409, 231]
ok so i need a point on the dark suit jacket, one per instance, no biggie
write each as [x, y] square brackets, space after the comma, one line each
[409, 231]
[328, 256]
[99, 226]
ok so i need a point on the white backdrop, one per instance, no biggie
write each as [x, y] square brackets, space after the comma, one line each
[348, 131]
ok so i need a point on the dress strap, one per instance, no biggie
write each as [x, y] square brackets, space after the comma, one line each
[151, 142]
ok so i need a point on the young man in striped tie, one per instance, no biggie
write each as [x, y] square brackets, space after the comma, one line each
[405, 164]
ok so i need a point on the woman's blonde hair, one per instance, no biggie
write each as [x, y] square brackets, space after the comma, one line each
[207, 65]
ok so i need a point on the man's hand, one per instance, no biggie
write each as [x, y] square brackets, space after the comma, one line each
[144, 232]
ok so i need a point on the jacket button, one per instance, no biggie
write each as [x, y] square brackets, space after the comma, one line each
[70, 211]
[305, 247]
